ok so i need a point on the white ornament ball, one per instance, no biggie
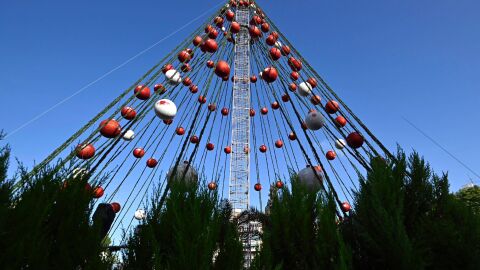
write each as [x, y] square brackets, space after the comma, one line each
[165, 109]
[183, 170]
[129, 135]
[140, 214]
[278, 44]
[340, 144]
[304, 89]
[309, 178]
[223, 28]
[173, 77]
[314, 120]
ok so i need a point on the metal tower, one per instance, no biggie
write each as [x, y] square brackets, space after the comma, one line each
[240, 159]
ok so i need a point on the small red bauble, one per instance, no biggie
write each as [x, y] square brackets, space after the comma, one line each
[227, 150]
[271, 40]
[167, 67]
[128, 113]
[212, 186]
[332, 107]
[210, 45]
[312, 82]
[230, 15]
[224, 111]
[270, 74]
[294, 64]
[98, 192]
[275, 105]
[340, 121]
[315, 99]
[252, 112]
[193, 88]
[222, 69]
[194, 139]
[138, 152]
[85, 151]
[151, 163]
[330, 155]
[279, 184]
[285, 97]
[257, 187]
[264, 111]
[184, 56]
[294, 75]
[159, 88]
[292, 136]
[292, 87]
[142, 92]
[265, 27]
[210, 146]
[212, 107]
[116, 207]
[210, 64]
[285, 50]
[275, 54]
[180, 131]
[355, 140]
[235, 27]
[110, 128]
[253, 79]
[279, 144]
[197, 41]
[263, 148]
[346, 207]
[187, 81]
[202, 99]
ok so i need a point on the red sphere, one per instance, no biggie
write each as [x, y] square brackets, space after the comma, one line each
[265, 27]
[230, 15]
[315, 99]
[332, 107]
[222, 69]
[279, 184]
[270, 74]
[257, 187]
[210, 146]
[271, 40]
[202, 99]
[294, 64]
[128, 113]
[253, 79]
[292, 136]
[285, 50]
[256, 19]
[213, 34]
[275, 54]
[167, 67]
[186, 67]
[346, 207]
[210, 45]
[138, 152]
[212, 186]
[210, 64]
[184, 56]
[110, 128]
[279, 144]
[355, 140]
[227, 150]
[151, 163]
[252, 112]
[208, 28]
[187, 81]
[85, 151]
[142, 92]
[194, 139]
[340, 121]
[275, 105]
[197, 41]
[180, 131]
[193, 88]
[304, 126]
[116, 207]
[263, 148]
[275, 35]
[224, 111]
[235, 27]
[264, 110]
[294, 75]
[159, 88]
[292, 87]
[312, 82]
[212, 107]
[218, 21]
[254, 32]
[285, 97]
[330, 155]
[98, 192]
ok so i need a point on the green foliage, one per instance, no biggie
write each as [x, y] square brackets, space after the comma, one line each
[300, 232]
[471, 197]
[192, 231]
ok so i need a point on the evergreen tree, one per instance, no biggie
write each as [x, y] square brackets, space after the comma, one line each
[471, 197]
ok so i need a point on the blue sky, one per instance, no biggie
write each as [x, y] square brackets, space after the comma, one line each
[386, 59]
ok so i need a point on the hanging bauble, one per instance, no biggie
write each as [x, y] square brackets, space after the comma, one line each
[183, 171]
[270, 40]
[270, 74]
[279, 184]
[275, 54]
[264, 110]
[159, 88]
[253, 79]
[194, 139]
[142, 92]
[279, 143]
[193, 88]
[265, 27]
[311, 177]
[227, 150]
[252, 112]
[314, 120]
[166, 68]
[355, 140]
[275, 34]
[340, 121]
[224, 111]
[218, 21]
[246, 149]
[197, 41]
[187, 81]
[292, 87]
[304, 89]
[138, 152]
[330, 155]
[116, 207]
[140, 214]
[315, 99]
[256, 19]
[85, 151]
[213, 34]
[212, 186]
[184, 56]
[222, 69]
[340, 144]
[180, 131]
[304, 125]
[254, 32]
[208, 28]
[165, 109]
[285, 50]
[294, 75]
[257, 187]
[346, 207]
[285, 97]
[275, 105]
[292, 136]
[151, 163]
[98, 192]
[294, 64]
[210, 45]
[173, 77]
[129, 135]
[212, 107]
[230, 15]
[210, 146]
[186, 68]
[235, 27]
[110, 128]
[210, 64]
[128, 113]
[332, 107]
[263, 148]
[312, 82]
[202, 99]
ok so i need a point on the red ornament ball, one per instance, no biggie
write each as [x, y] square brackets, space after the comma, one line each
[98, 192]
[210, 146]
[332, 107]
[197, 41]
[224, 111]
[294, 75]
[167, 67]
[265, 27]
[264, 111]
[279, 184]
[292, 87]
[110, 128]
[212, 186]
[252, 112]
[235, 27]
[138, 152]
[193, 88]
[194, 139]
[257, 187]
[275, 105]
[315, 99]
[253, 79]
[202, 99]
[285, 97]
[210, 64]
[270, 74]
[279, 144]
[230, 15]
[270, 40]
[330, 155]
[187, 81]
[285, 50]
[222, 69]
[184, 56]
[151, 163]
[212, 107]
[292, 136]
[116, 207]
[210, 45]
[346, 207]
[159, 88]
[142, 92]
[355, 140]
[294, 64]
[263, 148]
[340, 121]
[312, 82]
[180, 131]
[227, 150]
[85, 151]
[128, 113]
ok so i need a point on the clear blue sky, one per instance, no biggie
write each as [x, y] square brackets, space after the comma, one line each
[386, 59]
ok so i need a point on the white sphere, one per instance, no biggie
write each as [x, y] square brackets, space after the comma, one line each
[309, 178]
[340, 144]
[304, 89]
[140, 214]
[183, 169]
[314, 120]
[173, 77]
[129, 135]
[223, 28]
[278, 44]
[165, 109]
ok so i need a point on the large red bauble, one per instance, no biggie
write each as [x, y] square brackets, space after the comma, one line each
[253, 79]
[271, 40]
[85, 151]
[275, 54]
[275, 105]
[180, 131]
[151, 163]
[252, 112]
[230, 15]
[138, 152]
[355, 140]
[194, 139]
[212, 186]
[292, 87]
[265, 27]
[227, 150]
[279, 144]
[235, 27]
[332, 106]
[167, 67]
[187, 81]
[184, 56]
[292, 136]
[263, 148]
[110, 128]
[285, 50]
[330, 155]
[212, 107]
[346, 207]
[193, 88]
[210, 45]
[210, 146]
[116, 207]
[294, 64]
[159, 88]
[222, 69]
[270, 74]
[315, 99]
[128, 113]
[313, 82]
[142, 92]
[340, 121]
[279, 184]
[264, 110]
[197, 41]
[294, 75]
[98, 192]
[225, 111]
[254, 32]
[257, 187]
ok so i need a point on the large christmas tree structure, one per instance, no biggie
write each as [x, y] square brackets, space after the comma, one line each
[234, 105]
